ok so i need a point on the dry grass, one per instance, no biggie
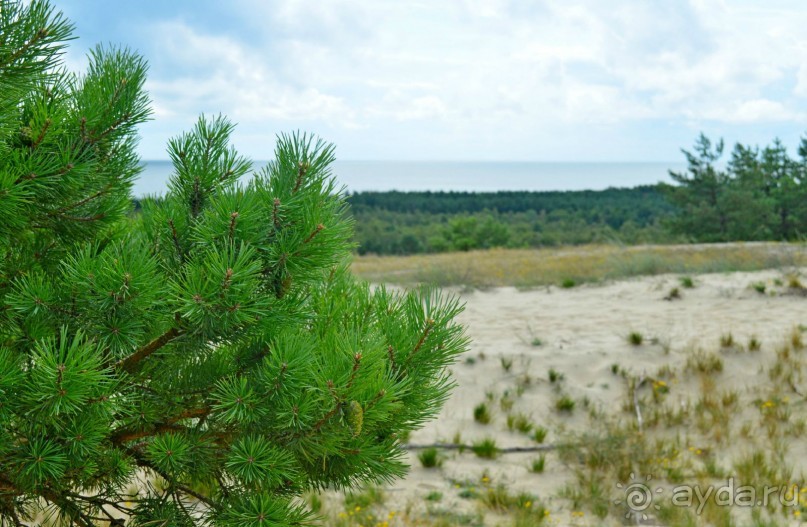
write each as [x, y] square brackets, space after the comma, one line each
[710, 412]
[698, 431]
[590, 263]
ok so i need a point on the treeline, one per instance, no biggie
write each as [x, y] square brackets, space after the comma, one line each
[418, 222]
[756, 194]
[413, 222]
[760, 193]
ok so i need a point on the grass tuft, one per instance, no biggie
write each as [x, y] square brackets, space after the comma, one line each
[705, 363]
[796, 339]
[519, 422]
[635, 338]
[538, 465]
[434, 496]
[430, 458]
[485, 448]
[507, 363]
[674, 294]
[482, 414]
[364, 498]
[539, 434]
[565, 404]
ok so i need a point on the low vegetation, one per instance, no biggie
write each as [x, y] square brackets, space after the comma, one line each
[677, 425]
[590, 263]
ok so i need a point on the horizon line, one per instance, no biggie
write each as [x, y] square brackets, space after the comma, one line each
[646, 162]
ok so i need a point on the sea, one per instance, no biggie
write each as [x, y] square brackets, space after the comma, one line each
[358, 176]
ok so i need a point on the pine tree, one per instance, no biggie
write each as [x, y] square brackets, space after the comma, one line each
[208, 359]
[701, 194]
[786, 190]
[751, 207]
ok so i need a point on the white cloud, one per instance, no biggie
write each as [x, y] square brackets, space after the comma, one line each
[428, 107]
[219, 74]
[502, 72]
[801, 80]
[763, 110]
[754, 111]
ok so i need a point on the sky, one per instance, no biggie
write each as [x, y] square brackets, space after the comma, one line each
[475, 80]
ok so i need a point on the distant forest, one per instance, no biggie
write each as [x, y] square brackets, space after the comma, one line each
[415, 222]
[756, 194]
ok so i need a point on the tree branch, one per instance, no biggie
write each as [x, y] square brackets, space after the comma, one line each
[41, 137]
[426, 331]
[124, 436]
[83, 218]
[143, 462]
[175, 237]
[130, 363]
[42, 33]
[83, 201]
[6, 485]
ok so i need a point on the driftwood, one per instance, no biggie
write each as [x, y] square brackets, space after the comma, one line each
[636, 385]
[507, 450]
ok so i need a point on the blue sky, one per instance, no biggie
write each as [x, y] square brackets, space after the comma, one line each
[554, 80]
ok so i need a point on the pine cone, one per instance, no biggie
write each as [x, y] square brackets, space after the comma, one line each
[354, 414]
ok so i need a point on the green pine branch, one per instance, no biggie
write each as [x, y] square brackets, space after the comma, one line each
[214, 343]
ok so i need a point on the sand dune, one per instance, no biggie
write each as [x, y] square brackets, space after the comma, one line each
[583, 336]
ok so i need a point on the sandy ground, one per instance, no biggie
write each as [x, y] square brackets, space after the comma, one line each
[583, 334]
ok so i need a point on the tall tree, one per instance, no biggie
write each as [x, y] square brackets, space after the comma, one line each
[701, 194]
[214, 348]
[751, 206]
[783, 185]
